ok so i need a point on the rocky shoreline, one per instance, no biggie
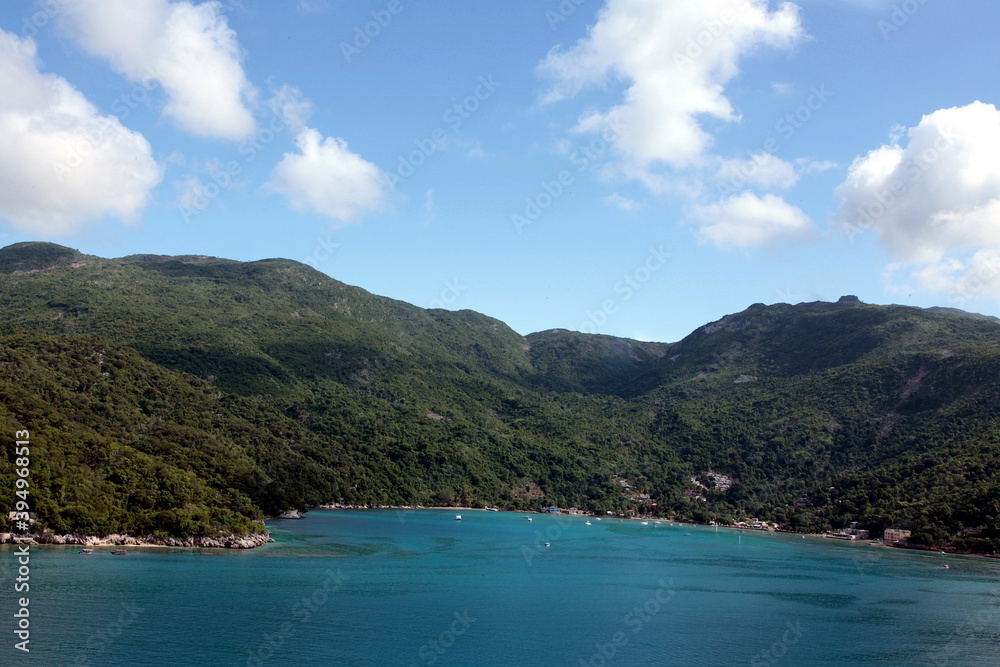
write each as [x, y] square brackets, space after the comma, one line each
[221, 542]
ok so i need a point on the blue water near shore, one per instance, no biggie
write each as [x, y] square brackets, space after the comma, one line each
[394, 587]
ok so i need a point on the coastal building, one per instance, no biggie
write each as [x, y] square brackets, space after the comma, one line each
[856, 532]
[722, 482]
[893, 535]
[642, 499]
[852, 533]
[621, 481]
[840, 536]
[691, 493]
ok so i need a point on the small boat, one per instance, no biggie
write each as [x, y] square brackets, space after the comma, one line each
[492, 509]
[85, 551]
[458, 517]
[947, 567]
[588, 523]
[547, 544]
[529, 519]
[119, 552]
[645, 523]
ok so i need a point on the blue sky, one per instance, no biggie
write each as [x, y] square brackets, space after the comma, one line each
[631, 167]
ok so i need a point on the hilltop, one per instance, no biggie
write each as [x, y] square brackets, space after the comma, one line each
[191, 395]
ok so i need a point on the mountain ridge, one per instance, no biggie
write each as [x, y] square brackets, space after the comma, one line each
[41, 256]
[365, 400]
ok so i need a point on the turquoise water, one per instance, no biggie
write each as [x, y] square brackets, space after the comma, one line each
[392, 587]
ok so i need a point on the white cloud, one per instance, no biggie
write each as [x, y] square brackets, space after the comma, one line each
[188, 49]
[676, 57]
[810, 166]
[63, 164]
[748, 220]
[291, 106]
[938, 194]
[624, 203]
[326, 177]
[762, 169]
[935, 201]
[192, 193]
[973, 279]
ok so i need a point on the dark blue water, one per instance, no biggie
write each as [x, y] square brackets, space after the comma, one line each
[420, 588]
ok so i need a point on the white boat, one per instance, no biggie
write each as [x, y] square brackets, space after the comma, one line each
[529, 519]
[458, 517]
[588, 523]
[645, 523]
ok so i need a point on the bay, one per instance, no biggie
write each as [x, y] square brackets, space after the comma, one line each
[418, 587]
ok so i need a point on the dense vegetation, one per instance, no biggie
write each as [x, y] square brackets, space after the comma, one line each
[192, 395]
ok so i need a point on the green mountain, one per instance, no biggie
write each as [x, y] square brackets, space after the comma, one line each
[192, 395]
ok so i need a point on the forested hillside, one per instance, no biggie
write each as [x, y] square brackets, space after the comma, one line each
[191, 395]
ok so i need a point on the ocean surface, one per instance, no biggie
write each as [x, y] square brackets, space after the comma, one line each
[417, 587]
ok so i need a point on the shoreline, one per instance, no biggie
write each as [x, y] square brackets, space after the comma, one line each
[118, 540]
[259, 539]
[749, 531]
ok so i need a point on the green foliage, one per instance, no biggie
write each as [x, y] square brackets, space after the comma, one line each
[192, 395]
